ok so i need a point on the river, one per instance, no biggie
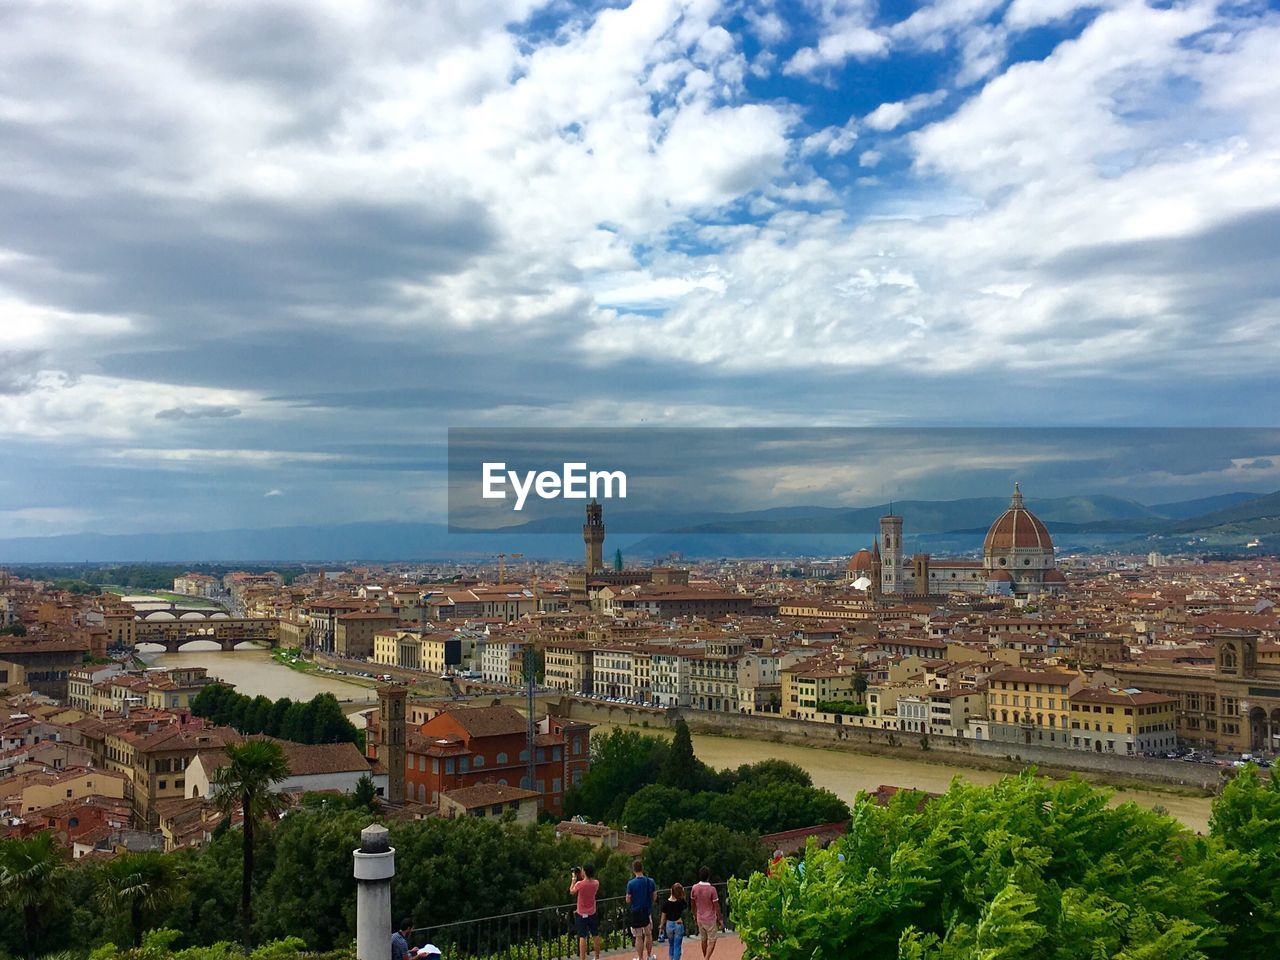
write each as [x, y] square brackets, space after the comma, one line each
[253, 672]
[843, 773]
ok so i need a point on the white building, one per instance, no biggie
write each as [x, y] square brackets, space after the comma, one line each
[319, 766]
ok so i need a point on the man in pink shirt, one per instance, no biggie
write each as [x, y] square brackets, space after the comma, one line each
[585, 886]
[706, 911]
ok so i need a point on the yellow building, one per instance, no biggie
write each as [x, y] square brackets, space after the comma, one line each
[805, 686]
[1110, 720]
[31, 792]
[569, 665]
[1031, 706]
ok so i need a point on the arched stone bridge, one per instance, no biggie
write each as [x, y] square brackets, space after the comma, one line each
[224, 631]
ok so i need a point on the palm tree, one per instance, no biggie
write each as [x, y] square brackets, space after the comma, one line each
[32, 873]
[245, 783]
[137, 882]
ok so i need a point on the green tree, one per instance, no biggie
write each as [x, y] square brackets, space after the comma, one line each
[681, 768]
[246, 783]
[136, 884]
[772, 770]
[32, 876]
[650, 808]
[683, 847]
[1246, 818]
[771, 807]
[1025, 867]
[621, 763]
[365, 793]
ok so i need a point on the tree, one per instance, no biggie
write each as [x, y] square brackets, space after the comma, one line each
[621, 764]
[683, 847]
[32, 874]
[771, 771]
[650, 808]
[771, 807]
[1246, 818]
[137, 883]
[681, 768]
[246, 783]
[1024, 867]
[366, 793]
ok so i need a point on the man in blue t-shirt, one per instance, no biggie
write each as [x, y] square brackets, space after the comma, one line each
[642, 894]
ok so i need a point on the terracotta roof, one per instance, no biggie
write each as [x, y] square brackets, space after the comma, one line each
[1016, 528]
[1100, 695]
[486, 794]
[489, 721]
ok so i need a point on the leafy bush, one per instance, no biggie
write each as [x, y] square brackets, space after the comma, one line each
[1027, 868]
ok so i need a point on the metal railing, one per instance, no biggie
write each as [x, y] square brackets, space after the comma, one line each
[548, 933]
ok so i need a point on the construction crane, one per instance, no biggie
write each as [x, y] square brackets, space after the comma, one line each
[502, 565]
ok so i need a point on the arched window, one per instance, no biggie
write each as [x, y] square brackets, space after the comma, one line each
[502, 758]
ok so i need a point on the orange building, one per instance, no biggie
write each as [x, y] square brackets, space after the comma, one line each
[466, 746]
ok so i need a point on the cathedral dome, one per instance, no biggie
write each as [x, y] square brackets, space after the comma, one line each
[1017, 529]
[861, 562]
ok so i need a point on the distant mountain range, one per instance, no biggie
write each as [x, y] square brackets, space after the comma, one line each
[941, 526]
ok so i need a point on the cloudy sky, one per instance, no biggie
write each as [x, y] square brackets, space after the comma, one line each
[256, 257]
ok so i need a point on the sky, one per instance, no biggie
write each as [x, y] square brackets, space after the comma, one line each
[256, 257]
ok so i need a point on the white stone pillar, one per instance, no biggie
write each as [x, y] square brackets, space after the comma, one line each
[375, 865]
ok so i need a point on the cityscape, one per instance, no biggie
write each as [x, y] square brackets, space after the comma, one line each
[726, 479]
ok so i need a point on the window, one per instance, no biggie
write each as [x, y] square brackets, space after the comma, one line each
[502, 758]
[478, 761]
[448, 765]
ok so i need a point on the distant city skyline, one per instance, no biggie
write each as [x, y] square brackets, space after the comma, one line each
[255, 258]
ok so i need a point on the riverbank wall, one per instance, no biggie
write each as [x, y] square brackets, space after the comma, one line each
[980, 754]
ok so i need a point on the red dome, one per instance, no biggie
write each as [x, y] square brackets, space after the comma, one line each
[861, 562]
[1002, 575]
[1054, 576]
[1017, 528]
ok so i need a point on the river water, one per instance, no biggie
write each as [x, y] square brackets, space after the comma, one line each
[253, 672]
[843, 773]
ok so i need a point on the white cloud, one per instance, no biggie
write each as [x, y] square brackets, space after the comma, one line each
[53, 403]
[890, 116]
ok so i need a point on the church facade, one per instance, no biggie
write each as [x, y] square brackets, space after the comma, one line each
[1017, 560]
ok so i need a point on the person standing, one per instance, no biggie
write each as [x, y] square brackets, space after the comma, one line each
[642, 894]
[400, 949]
[585, 886]
[706, 911]
[673, 920]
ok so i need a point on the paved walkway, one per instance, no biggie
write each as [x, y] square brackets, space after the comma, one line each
[728, 947]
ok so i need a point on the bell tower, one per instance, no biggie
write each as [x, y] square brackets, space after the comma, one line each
[593, 537]
[391, 745]
[891, 556]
